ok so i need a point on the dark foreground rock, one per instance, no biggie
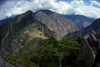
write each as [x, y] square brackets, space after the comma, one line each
[90, 49]
[4, 63]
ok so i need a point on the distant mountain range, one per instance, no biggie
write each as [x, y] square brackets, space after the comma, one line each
[80, 20]
[5, 21]
[94, 26]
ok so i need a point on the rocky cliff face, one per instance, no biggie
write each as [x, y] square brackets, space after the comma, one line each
[90, 49]
[56, 22]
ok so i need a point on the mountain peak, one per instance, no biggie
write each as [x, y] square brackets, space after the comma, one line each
[28, 12]
[46, 11]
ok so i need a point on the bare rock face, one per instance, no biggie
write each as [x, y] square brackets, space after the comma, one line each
[85, 23]
[90, 49]
[56, 22]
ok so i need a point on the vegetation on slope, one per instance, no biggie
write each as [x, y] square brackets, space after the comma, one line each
[49, 53]
[21, 29]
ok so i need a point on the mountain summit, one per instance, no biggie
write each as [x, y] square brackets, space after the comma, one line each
[48, 12]
[56, 22]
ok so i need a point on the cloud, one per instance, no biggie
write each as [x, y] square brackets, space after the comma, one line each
[95, 2]
[14, 7]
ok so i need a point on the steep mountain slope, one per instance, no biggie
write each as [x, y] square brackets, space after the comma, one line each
[94, 26]
[90, 51]
[56, 22]
[21, 29]
[80, 20]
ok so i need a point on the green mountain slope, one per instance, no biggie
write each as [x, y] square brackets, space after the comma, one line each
[28, 41]
[20, 30]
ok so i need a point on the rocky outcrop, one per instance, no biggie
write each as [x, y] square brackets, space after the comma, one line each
[90, 49]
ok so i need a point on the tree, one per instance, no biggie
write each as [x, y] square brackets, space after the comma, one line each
[79, 39]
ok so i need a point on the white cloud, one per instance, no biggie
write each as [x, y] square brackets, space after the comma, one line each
[95, 2]
[11, 8]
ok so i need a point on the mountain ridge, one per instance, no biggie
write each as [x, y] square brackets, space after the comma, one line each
[80, 20]
[94, 26]
[56, 22]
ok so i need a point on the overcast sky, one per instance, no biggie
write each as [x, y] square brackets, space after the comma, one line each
[89, 8]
